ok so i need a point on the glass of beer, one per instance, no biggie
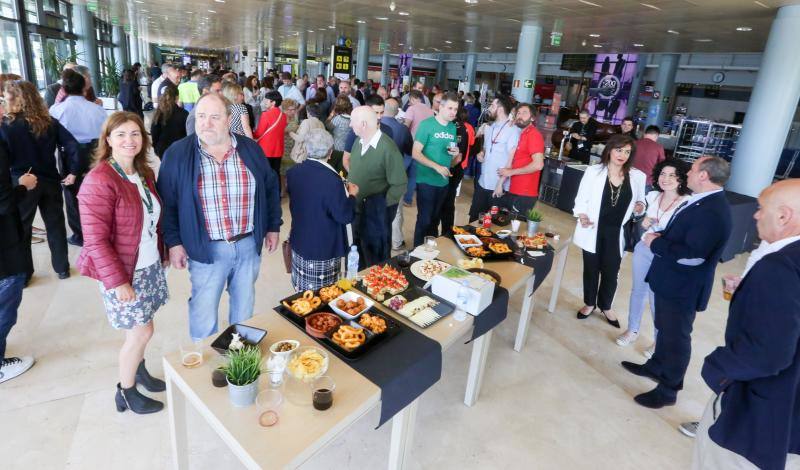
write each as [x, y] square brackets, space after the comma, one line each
[728, 286]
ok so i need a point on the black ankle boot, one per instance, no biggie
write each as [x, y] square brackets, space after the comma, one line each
[131, 399]
[149, 382]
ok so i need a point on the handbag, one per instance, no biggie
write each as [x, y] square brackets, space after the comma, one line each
[632, 230]
[287, 256]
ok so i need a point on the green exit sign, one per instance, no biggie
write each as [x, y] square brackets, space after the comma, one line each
[528, 83]
[555, 39]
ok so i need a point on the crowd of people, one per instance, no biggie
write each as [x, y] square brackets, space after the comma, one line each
[350, 157]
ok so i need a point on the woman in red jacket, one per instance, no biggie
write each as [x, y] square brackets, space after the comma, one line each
[124, 250]
[270, 131]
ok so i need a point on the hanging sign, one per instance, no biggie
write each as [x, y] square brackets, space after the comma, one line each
[342, 62]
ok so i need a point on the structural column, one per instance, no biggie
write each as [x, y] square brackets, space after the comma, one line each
[385, 69]
[470, 66]
[121, 48]
[135, 48]
[260, 59]
[440, 72]
[302, 53]
[362, 60]
[528, 47]
[271, 54]
[636, 84]
[772, 106]
[87, 41]
[665, 86]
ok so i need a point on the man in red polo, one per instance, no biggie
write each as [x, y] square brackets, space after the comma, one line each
[526, 165]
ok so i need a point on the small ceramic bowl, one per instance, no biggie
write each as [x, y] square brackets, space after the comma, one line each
[503, 233]
[317, 333]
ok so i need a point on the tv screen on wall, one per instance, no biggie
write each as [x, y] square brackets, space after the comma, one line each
[578, 62]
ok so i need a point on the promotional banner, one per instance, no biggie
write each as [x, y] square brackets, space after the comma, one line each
[342, 62]
[611, 87]
[404, 70]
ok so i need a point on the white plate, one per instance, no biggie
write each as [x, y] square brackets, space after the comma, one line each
[536, 254]
[417, 269]
[350, 297]
[466, 241]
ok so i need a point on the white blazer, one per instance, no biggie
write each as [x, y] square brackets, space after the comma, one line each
[589, 198]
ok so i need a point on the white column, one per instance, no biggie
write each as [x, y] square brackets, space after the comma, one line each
[302, 53]
[260, 57]
[528, 47]
[362, 60]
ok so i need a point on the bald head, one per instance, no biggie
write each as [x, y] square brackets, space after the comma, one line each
[778, 215]
[364, 122]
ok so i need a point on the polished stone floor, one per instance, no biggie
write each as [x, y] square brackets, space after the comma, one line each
[563, 402]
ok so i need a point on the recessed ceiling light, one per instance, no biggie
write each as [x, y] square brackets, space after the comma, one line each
[471, 2]
[211, 11]
[145, 11]
[514, 20]
[331, 27]
[190, 12]
[509, 47]
[650, 6]
[220, 1]
[744, 28]
[357, 21]
[448, 42]
[139, 1]
[702, 40]
[310, 30]
[762, 5]
[382, 18]
[672, 31]
[403, 13]
[596, 45]
[638, 45]
[487, 48]
[594, 35]
[468, 40]
[585, 2]
[400, 44]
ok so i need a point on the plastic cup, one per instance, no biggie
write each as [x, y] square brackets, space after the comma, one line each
[191, 354]
[430, 243]
[515, 225]
[728, 286]
[268, 404]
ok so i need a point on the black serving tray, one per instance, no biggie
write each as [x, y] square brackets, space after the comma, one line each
[250, 336]
[492, 256]
[373, 340]
[322, 306]
[444, 308]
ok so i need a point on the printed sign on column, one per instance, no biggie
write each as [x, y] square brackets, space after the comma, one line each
[611, 87]
[342, 61]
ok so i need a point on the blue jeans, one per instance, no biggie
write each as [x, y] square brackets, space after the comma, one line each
[642, 258]
[10, 298]
[411, 172]
[430, 200]
[235, 265]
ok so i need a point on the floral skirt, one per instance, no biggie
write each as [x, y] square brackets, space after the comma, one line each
[150, 285]
[313, 274]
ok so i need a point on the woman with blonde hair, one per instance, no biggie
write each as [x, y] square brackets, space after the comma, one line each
[240, 121]
[123, 249]
[31, 137]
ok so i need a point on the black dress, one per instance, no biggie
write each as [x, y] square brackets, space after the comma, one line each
[600, 269]
[173, 130]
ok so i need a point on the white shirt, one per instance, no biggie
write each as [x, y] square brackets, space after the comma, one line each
[499, 143]
[765, 249]
[154, 90]
[81, 117]
[148, 245]
[654, 199]
[291, 92]
[373, 142]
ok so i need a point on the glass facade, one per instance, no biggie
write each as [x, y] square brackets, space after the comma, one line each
[37, 49]
[10, 48]
[8, 8]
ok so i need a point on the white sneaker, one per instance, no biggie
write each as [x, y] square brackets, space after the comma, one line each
[11, 367]
[627, 338]
[648, 353]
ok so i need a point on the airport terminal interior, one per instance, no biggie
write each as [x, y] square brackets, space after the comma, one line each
[455, 165]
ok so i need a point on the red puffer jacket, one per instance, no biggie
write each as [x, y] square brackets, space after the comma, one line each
[111, 217]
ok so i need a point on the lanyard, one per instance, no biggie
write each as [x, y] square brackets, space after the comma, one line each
[148, 203]
[496, 136]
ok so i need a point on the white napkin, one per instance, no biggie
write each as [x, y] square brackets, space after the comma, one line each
[536, 254]
[421, 253]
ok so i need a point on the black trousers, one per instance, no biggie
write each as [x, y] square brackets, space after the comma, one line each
[447, 215]
[517, 203]
[482, 201]
[47, 198]
[71, 204]
[275, 164]
[600, 269]
[674, 323]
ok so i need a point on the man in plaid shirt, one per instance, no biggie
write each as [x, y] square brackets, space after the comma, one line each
[220, 204]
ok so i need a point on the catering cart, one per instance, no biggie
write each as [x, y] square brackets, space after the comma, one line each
[698, 137]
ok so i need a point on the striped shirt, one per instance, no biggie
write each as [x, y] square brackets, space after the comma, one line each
[227, 194]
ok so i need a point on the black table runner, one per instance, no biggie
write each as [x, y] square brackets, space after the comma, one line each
[403, 367]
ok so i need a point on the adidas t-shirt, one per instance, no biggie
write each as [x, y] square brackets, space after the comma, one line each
[435, 139]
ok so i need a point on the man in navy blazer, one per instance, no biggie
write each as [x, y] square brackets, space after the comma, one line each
[754, 418]
[681, 276]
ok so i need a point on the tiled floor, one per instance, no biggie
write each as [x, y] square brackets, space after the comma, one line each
[564, 402]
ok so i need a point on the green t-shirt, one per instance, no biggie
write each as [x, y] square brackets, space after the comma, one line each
[435, 139]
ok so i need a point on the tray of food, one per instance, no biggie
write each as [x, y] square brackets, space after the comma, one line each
[426, 269]
[466, 241]
[420, 306]
[487, 274]
[536, 242]
[472, 230]
[491, 248]
[384, 281]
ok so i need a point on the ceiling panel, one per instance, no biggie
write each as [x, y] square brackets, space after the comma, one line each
[488, 25]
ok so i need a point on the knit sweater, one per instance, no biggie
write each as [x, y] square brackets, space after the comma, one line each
[379, 170]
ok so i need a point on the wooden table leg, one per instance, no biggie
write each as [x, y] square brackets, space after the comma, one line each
[477, 365]
[562, 262]
[402, 436]
[176, 407]
[525, 315]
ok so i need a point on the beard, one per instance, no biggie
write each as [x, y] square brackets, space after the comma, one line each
[523, 124]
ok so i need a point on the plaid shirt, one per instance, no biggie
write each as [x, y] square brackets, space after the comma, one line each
[227, 194]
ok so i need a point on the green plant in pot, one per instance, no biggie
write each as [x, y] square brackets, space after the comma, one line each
[110, 76]
[242, 372]
[534, 218]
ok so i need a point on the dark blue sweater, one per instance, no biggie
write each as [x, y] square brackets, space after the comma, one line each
[183, 220]
[27, 151]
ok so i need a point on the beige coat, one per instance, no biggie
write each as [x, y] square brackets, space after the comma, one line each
[299, 150]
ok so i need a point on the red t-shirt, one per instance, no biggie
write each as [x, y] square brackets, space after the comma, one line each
[530, 142]
[648, 154]
[273, 123]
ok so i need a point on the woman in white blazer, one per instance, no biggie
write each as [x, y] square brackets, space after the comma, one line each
[608, 195]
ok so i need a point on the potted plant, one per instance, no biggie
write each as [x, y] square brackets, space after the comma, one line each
[242, 372]
[534, 218]
[110, 78]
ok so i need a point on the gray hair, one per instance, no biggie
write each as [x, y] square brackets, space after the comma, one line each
[717, 168]
[318, 144]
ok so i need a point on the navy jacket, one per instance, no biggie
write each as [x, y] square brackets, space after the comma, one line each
[400, 134]
[183, 221]
[320, 211]
[14, 251]
[28, 151]
[697, 234]
[759, 366]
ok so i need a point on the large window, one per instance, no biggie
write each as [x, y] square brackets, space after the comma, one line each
[37, 49]
[32, 11]
[8, 8]
[10, 48]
